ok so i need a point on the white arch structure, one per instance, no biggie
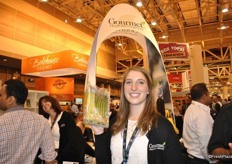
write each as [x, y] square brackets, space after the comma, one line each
[125, 20]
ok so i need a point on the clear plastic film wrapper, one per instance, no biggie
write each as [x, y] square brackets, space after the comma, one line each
[97, 103]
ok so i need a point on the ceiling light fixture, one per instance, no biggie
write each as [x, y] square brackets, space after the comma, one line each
[78, 20]
[211, 78]
[43, 0]
[164, 37]
[139, 4]
[223, 27]
[119, 44]
[153, 23]
[225, 10]
[225, 7]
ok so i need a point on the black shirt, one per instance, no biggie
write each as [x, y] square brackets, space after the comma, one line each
[222, 130]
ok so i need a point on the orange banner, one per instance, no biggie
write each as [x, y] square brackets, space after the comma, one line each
[56, 61]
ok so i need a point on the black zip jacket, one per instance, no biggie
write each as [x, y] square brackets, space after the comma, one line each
[72, 144]
[163, 147]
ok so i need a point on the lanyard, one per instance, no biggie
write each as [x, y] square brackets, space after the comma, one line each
[54, 121]
[125, 151]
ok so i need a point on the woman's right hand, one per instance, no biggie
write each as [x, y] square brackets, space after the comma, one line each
[97, 129]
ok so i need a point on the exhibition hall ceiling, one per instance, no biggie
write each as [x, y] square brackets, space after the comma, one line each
[191, 21]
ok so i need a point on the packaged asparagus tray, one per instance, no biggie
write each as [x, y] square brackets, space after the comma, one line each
[97, 103]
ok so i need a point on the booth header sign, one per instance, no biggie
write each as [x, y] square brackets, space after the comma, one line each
[175, 78]
[55, 64]
[173, 51]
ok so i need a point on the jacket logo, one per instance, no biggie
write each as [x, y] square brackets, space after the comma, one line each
[157, 146]
[62, 125]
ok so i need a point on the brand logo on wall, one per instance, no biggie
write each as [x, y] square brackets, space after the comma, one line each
[59, 84]
[45, 63]
[80, 60]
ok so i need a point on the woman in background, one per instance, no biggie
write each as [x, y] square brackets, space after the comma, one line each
[89, 138]
[68, 139]
[160, 106]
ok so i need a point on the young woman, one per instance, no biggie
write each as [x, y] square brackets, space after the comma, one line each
[138, 134]
[68, 138]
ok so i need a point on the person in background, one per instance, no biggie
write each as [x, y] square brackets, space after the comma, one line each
[229, 99]
[68, 108]
[178, 117]
[22, 132]
[88, 136]
[86, 131]
[215, 106]
[139, 134]
[220, 101]
[220, 143]
[188, 101]
[75, 109]
[224, 102]
[78, 117]
[176, 108]
[160, 106]
[68, 139]
[113, 110]
[198, 125]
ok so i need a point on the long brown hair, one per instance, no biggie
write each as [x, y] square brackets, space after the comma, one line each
[54, 103]
[148, 117]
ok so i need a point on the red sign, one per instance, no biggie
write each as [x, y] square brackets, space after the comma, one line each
[174, 50]
[175, 78]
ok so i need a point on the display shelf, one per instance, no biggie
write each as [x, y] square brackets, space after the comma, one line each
[33, 98]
